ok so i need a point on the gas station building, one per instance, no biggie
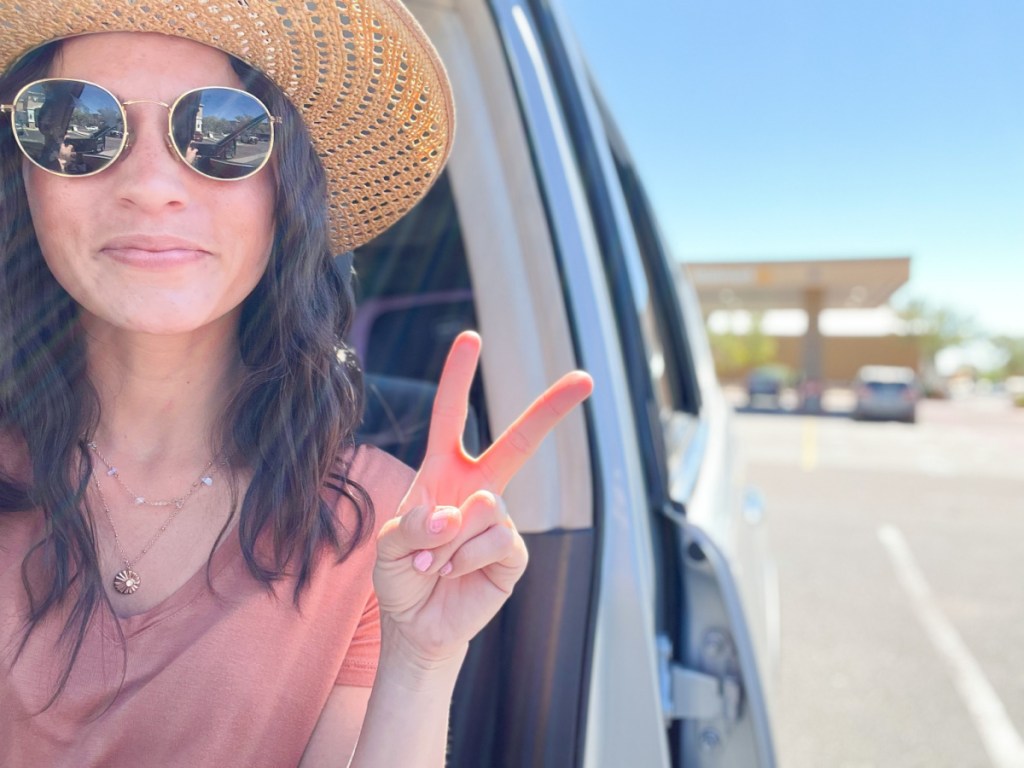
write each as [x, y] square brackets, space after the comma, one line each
[812, 286]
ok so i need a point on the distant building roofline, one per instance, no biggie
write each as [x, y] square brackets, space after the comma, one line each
[761, 285]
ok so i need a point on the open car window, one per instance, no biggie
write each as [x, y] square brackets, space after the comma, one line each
[413, 297]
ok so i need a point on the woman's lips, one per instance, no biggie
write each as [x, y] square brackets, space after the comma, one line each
[136, 257]
[153, 252]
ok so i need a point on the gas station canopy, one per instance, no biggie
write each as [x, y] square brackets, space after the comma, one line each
[811, 285]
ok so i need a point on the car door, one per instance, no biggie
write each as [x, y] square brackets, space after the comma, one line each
[715, 632]
[719, 636]
[529, 238]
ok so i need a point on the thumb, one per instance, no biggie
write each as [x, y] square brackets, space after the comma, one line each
[421, 528]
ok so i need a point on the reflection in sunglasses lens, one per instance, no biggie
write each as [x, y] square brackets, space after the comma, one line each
[222, 133]
[68, 127]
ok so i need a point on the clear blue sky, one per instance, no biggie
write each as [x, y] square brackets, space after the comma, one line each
[829, 128]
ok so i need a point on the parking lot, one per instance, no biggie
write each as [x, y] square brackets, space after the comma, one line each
[902, 586]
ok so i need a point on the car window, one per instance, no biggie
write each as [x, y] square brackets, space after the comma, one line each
[672, 372]
[414, 295]
[887, 387]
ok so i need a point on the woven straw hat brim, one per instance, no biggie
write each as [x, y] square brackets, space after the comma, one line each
[370, 86]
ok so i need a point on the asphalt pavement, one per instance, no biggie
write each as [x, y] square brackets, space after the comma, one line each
[900, 553]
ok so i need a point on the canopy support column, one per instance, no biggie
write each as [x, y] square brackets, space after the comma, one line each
[813, 383]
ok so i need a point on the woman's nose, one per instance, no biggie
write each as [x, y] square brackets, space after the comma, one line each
[151, 176]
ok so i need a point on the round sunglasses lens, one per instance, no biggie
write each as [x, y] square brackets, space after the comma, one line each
[221, 132]
[68, 127]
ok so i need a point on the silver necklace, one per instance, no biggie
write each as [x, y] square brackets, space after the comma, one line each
[205, 479]
[127, 580]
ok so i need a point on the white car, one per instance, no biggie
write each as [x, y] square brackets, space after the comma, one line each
[644, 631]
[886, 392]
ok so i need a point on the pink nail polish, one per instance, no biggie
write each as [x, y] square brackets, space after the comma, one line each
[422, 560]
[439, 519]
[446, 569]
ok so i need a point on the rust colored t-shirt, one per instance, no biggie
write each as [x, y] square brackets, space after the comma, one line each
[234, 677]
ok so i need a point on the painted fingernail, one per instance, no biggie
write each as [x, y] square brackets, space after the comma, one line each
[440, 519]
[446, 569]
[422, 560]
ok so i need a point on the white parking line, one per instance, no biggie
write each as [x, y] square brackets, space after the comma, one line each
[1002, 741]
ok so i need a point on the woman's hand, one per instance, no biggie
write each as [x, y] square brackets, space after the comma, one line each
[450, 559]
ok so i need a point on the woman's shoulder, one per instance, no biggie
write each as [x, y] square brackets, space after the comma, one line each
[384, 478]
[369, 475]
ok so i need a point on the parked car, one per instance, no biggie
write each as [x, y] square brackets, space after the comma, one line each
[83, 140]
[644, 630]
[765, 384]
[219, 149]
[886, 392]
[88, 140]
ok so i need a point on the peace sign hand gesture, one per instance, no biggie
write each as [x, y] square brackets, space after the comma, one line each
[450, 559]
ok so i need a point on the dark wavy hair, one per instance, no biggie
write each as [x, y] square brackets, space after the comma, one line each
[290, 423]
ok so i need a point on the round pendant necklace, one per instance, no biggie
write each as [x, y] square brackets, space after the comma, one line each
[127, 581]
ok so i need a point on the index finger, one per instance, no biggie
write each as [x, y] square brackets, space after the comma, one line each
[451, 403]
[521, 440]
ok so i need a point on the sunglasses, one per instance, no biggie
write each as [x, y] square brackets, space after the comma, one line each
[76, 128]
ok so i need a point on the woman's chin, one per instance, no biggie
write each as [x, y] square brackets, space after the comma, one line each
[159, 321]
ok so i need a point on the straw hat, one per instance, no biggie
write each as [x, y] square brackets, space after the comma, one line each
[368, 83]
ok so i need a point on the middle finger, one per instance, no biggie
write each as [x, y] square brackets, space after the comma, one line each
[521, 440]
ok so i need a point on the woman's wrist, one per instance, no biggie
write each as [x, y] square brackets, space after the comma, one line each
[407, 666]
[411, 695]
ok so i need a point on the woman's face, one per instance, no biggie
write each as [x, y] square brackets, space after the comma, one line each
[148, 244]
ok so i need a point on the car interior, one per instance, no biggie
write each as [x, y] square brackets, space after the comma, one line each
[414, 296]
[477, 253]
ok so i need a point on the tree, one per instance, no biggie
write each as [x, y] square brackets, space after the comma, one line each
[217, 126]
[736, 353]
[1012, 347]
[934, 328]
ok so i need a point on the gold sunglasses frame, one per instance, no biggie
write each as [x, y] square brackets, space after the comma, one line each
[126, 142]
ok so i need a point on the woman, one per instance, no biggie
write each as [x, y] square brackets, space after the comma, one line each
[187, 531]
